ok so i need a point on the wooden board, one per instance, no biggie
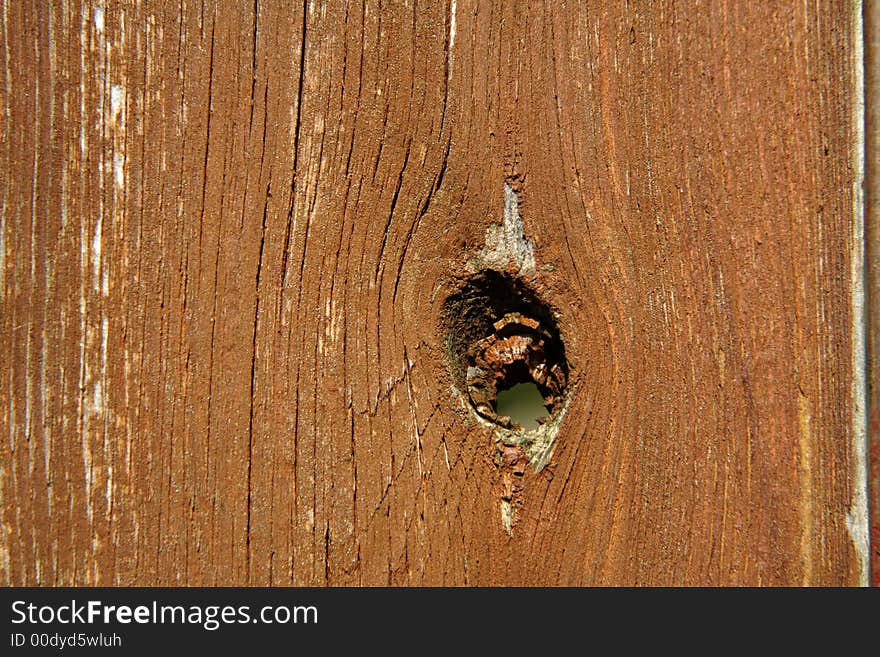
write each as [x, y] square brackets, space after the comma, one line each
[872, 233]
[229, 232]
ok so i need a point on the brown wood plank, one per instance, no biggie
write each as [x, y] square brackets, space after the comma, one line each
[228, 236]
[872, 235]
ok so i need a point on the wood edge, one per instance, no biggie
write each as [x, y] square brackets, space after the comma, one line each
[867, 121]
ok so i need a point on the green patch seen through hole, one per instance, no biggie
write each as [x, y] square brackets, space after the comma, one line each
[523, 404]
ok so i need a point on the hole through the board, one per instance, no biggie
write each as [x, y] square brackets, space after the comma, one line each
[505, 350]
[523, 404]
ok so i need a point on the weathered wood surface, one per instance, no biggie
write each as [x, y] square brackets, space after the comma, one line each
[872, 233]
[228, 232]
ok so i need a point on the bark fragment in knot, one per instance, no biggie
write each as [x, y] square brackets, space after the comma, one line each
[516, 352]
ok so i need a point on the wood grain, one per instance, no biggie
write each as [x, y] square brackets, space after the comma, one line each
[872, 234]
[229, 230]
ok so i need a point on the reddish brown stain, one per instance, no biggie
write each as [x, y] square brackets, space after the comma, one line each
[227, 237]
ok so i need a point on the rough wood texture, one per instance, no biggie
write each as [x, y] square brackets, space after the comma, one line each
[872, 234]
[228, 234]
